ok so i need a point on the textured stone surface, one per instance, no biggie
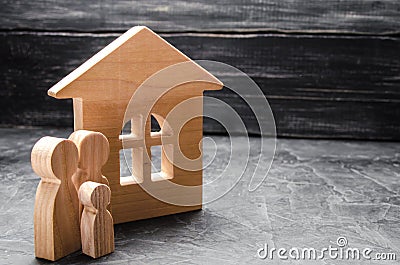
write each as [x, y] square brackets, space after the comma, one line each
[315, 192]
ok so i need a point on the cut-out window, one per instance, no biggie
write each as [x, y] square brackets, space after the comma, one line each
[156, 159]
[132, 156]
[136, 165]
[126, 176]
[155, 126]
[127, 129]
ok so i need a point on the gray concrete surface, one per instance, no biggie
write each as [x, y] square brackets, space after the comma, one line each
[316, 191]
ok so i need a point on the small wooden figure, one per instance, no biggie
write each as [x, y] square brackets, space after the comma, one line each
[97, 227]
[93, 152]
[56, 224]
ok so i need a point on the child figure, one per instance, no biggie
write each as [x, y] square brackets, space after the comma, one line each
[97, 230]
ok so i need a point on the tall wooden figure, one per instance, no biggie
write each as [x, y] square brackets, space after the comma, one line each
[97, 228]
[56, 224]
[93, 152]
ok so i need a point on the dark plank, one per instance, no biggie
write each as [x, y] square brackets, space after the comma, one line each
[318, 118]
[352, 16]
[317, 86]
[326, 67]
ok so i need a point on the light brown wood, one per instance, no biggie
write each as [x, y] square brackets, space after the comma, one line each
[97, 227]
[93, 150]
[56, 223]
[102, 89]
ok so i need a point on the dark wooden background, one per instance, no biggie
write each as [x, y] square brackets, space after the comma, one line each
[329, 69]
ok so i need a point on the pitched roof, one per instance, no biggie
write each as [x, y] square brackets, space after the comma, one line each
[132, 58]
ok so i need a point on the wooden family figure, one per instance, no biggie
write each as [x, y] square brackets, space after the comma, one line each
[136, 79]
[64, 221]
[97, 227]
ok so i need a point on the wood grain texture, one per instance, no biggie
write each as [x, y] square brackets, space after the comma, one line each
[56, 222]
[97, 227]
[318, 86]
[353, 16]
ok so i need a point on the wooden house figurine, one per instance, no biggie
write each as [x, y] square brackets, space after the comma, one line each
[102, 88]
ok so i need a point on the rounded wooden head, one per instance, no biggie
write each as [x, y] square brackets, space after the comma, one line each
[93, 148]
[94, 195]
[54, 158]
